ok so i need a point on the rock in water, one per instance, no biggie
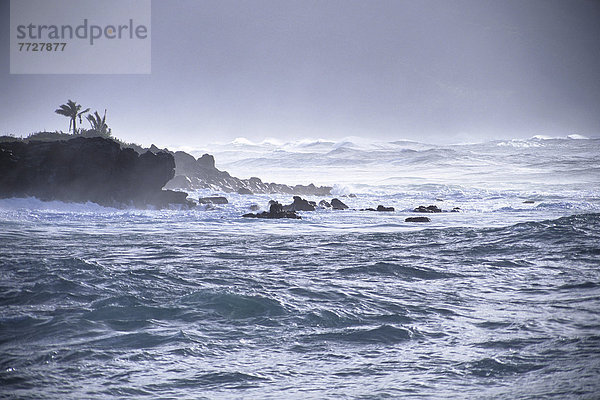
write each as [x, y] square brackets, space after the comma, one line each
[299, 204]
[337, 204]
[87, 169]
[324, 204]
[417, 219]
[379, 208]
[429, 209]
[276, 211]
[213, 200]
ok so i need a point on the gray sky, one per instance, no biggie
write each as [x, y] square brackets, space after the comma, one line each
[428, 70]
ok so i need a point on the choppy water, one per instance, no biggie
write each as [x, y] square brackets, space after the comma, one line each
[499, 301]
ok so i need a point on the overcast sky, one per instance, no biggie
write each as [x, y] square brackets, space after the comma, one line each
[428, 70]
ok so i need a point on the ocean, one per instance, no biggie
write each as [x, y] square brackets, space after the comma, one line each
[499, 300]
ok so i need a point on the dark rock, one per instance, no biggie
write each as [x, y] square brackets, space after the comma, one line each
[244, 190]
[455, 209]
[529, 202]
[179, 182]
[155, 150]
[168, 197]
[207, 161]
[276, 211]
[379, 208]
[324, 204]
[87, 169]
[299, 204]
[438, 199]
[306, 190]
[429, 209]
[337, 204]
[352, 195]
[417, 219]
[185, 164]
[213, 200]
[204, 175]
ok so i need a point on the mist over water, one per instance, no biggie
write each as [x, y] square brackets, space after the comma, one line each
[522, 164]
[501, 300]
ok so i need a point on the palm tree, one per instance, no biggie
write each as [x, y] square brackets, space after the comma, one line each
[71, 110]
[99, 124]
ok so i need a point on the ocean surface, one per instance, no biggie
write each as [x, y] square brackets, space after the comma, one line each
[500, 300]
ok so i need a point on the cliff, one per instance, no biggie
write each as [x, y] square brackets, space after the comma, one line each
[87, 169]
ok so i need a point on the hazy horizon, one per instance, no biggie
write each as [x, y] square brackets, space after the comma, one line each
[430, 71]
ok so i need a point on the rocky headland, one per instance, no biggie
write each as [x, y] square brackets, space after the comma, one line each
[83, 169]
[104, 170]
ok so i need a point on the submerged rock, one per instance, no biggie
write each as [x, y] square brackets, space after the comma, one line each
[529, 202]
[254, 207]
[213, 200]
[428, 209]
[337, 204]
[417, 219]
[379, 208]
[276, 211]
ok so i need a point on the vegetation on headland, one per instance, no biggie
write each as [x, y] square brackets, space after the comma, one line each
[99, 124]
[72, 110]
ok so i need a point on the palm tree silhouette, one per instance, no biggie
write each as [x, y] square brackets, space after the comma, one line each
[99, 124]
[71, 110]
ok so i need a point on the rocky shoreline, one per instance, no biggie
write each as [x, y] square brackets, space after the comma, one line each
[103, 171]
[201, 173]
[109, 173]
